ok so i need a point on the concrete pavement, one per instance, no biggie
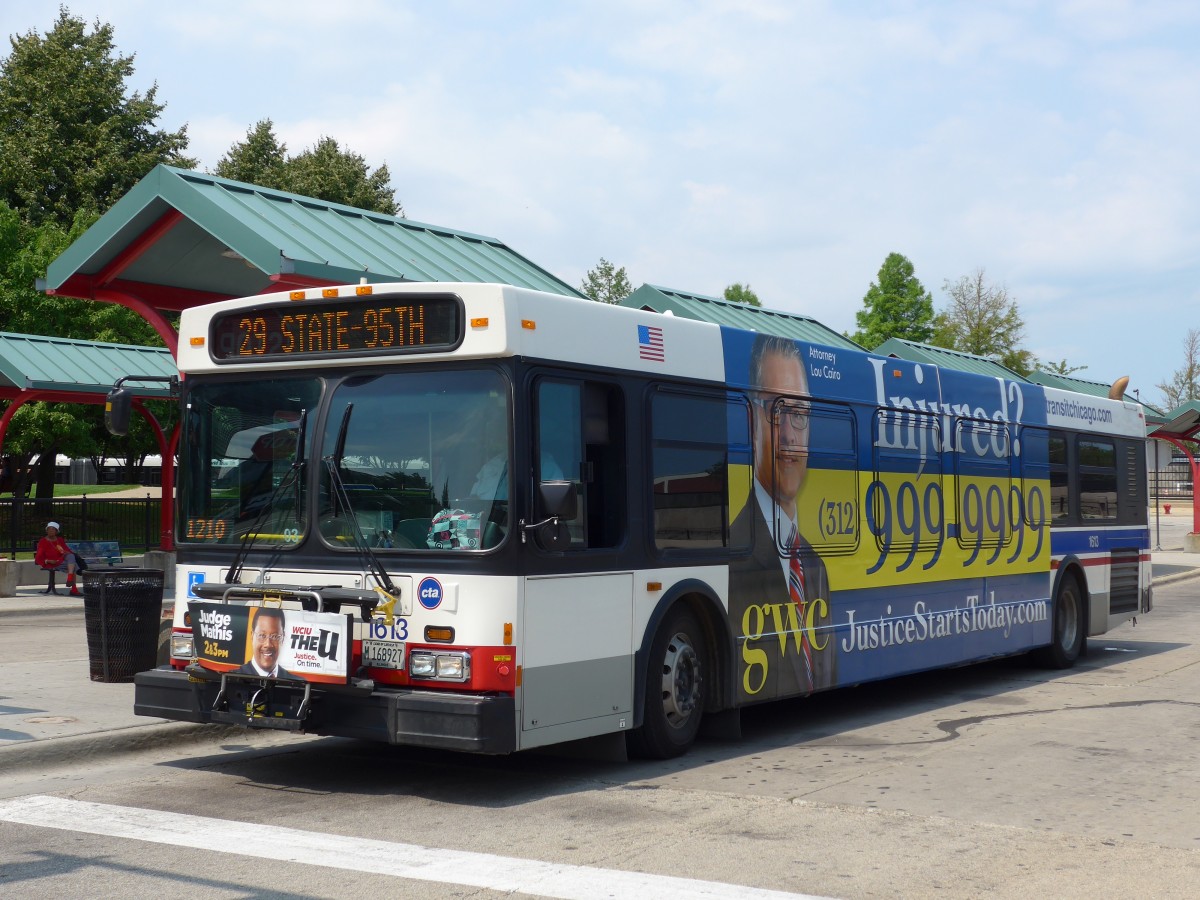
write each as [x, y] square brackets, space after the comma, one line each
[52, 713]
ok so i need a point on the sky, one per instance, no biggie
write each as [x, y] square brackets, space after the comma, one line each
[785, 144]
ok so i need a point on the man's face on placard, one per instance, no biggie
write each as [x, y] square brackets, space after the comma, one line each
[781, 441]
[267, 639]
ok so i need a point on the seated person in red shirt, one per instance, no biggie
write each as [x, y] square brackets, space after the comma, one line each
[54, 555]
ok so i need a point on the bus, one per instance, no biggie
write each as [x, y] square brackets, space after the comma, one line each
[482, 518]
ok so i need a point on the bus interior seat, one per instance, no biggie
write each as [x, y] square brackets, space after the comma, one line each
[493, 534]
[415, 531]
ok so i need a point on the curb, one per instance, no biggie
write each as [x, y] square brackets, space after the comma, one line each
[1177, 576]
[37, 609]
[31, 606]
[76, 748]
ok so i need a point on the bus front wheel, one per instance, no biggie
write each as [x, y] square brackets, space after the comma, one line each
[1068, 636]
[673, 699]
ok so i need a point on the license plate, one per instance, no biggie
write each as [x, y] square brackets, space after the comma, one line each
[383, 654]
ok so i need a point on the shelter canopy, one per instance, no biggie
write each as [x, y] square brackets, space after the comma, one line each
[654, 298]
[77, 371]
[181, 238]
[947, 359]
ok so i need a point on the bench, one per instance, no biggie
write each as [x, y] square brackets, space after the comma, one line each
[95, 553]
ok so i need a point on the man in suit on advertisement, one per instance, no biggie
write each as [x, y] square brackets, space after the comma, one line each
[266, 639]
[782, 582]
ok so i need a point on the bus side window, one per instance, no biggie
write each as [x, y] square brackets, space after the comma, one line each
[690, 468]
[1097, 478]
[581, 438]
[1060, 470]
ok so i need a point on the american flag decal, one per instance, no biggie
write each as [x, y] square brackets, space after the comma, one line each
[650, 343]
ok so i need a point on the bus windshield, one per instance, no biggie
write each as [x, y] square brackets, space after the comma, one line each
[239, 442]
[425, 463]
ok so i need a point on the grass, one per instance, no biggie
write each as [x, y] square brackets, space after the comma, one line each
[78, 490]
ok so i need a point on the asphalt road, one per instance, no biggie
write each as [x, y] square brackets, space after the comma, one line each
[1000, 779]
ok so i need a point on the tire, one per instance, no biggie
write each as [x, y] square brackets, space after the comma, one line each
[1069, 631]
[164, 642]
[673, 699]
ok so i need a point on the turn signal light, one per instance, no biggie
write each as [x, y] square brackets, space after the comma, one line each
[439, 634]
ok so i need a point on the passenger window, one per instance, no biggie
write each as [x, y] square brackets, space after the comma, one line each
[580, 438]
[690, 469]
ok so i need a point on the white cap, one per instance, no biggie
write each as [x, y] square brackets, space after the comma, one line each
[53, 525]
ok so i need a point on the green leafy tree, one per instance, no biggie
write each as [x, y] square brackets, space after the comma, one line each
[45, 429]
[260, 159]
[741, 293]
[1184, 383]
[895, 306]
[1060, 368]
[325, 171]
[73, 139]
[984, 320]
[606, 283]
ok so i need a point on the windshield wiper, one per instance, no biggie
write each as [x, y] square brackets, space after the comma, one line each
[340, 501]
[291, 478]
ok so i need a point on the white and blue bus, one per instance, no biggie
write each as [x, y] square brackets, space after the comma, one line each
[483, 518]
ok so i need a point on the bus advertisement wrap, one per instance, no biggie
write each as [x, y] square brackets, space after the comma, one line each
[269, 642]
[924, 557]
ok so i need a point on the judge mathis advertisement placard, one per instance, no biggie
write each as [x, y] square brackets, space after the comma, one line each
[270, 642]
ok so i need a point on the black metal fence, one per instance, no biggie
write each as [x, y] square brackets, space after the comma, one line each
[1173, 483]
[133, 522]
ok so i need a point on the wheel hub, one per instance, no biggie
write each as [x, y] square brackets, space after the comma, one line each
[680, 681]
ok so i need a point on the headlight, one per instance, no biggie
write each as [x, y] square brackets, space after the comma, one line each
[181, 646]
[443, 666]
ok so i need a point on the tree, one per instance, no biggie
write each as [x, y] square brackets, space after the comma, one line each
[324, 171]
[260, 159]
[341, 176]
[897, 305]
[741, 293]
[606, 283]
[983, 320]
[1184, 384]
[73, 140]
[47, 429]
[1060, 368]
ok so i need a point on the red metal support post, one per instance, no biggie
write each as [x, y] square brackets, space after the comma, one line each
[1195, 475]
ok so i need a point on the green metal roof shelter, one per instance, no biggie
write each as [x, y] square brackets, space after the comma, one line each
[1094, 389]
[34, 368]
[85, 370]
[181, 238]
[737, 315]
[1181, 427]
[947, 359]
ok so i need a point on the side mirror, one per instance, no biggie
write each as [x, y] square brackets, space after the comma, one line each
[117, 406]
[557, 499]
[558, 502]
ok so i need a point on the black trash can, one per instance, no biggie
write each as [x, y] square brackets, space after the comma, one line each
[122, 609]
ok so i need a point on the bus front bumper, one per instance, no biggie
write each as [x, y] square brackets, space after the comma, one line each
[446, 721]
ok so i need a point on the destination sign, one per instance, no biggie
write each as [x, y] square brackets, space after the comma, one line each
[400, 323]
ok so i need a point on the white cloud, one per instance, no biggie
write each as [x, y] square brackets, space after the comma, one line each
[788, 145]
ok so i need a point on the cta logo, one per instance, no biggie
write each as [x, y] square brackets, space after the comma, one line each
[429, 593]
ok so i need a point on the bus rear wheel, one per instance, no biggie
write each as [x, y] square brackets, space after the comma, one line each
[673, 699]
[1067, 643]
